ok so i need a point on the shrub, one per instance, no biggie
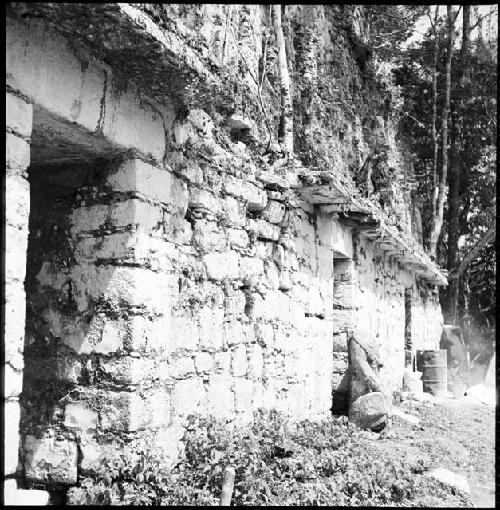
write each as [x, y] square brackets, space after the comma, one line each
[277, 463]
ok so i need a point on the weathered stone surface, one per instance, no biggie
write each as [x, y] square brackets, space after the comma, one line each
[447, 477]
[203, 362]
[255, 361]
[263, 229]
[18, 115]
[370, 411]
[187, 396]
[50, 459]
[150, 182]
[255, 198]
[222, 265]
[243, 394]
[12, 413]
[125, 411]
[239, 363]
[13, 381]
[274, 211]
[17, 152]
[220, 398]
[81, 416]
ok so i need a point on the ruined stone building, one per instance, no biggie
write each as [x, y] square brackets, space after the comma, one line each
[162, 257]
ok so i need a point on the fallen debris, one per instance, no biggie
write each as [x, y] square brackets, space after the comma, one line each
[447, 477]
[396, 411]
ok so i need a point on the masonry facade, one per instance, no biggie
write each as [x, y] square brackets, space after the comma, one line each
[154, 271]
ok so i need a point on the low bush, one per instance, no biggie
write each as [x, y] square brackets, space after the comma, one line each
[277, 463]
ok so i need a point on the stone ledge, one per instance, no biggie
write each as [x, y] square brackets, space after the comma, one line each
[123, 35]
[322, 189]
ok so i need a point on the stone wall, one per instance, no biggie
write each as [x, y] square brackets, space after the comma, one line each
[169, 271]
[381, 309]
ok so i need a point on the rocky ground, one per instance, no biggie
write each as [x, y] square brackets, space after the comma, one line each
[456, 434]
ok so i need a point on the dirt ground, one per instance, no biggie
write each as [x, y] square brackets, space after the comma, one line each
[457, 434]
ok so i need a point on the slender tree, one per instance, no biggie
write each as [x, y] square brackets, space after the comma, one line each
[437, 219]
[286, 124]
[455, 170]
[434, 135]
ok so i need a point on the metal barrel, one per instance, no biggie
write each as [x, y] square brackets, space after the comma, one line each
[434, 367]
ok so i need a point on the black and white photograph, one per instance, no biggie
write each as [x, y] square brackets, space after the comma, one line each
[249, 255]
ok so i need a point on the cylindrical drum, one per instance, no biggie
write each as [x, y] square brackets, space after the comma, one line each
[434, 366]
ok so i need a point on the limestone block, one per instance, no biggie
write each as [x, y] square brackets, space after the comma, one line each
[234, 333]
[17, 152]
[447, 477]
[211, 328]
[127, 370]
[264, 229]
[237, 238]
[187, 396]
[344, 295]
[18, 115]
[42, 65]
[340, 342]
[255, 361]
[151, 183]
[128, 412]
[222, 362]
[13, 381]
[243, 395]
[134, 286]
[263, 249]
[181, 368]
[325, 261]
[264, 334]
[343, 320]
[222, 265]
[315, 305]
[50, 459]
[251, 267]
[274, 211]
[220, 398]
[24, 497]
[203, 362]
[92, 452]
[275, 306]
[177, 230]
[112, 338]
[185, 333]
[146, 335]
[81, 416]
[129, 214]
[255, 198]
[340, 362]
[208, 236]
[12, 414]
[285, 280]
[234, 211]
[203, 199]
[239, 362]
[15, 254]
[234, 304]
[133, 123]
[272, 273]
[370, 411]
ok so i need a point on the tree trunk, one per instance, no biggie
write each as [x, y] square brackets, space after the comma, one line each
[437, 220]
[286, 132]
[455, 172]
[434, 181]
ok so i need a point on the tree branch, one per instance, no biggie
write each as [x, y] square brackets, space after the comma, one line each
[474, 252]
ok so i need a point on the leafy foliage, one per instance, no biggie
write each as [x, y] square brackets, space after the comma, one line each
[277, 462]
